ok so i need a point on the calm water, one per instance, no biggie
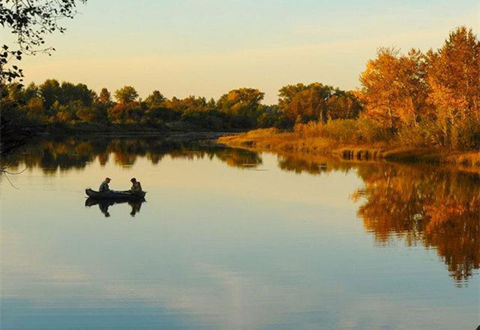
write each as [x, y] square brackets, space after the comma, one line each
[230, 239]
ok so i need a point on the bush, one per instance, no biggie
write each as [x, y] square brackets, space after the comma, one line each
[346, 131]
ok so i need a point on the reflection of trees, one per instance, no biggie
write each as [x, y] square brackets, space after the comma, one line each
[438, 209]
[51, 155]
[421, 205]
[299, 165]
[239, 157]
[312, 164]
[428, 206]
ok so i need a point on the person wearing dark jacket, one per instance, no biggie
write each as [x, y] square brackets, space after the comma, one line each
[136, 186]
[104, 186]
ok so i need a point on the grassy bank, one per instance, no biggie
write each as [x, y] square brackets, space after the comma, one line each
[295, 142]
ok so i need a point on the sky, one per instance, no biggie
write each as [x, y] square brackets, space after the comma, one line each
[208, 47]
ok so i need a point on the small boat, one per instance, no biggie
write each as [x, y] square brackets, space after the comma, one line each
[111, 194]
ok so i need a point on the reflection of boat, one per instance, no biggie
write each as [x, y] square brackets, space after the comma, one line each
[105, 203]
[115, 195]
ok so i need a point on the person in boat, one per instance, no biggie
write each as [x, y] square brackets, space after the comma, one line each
[136, 186]
[104, 186]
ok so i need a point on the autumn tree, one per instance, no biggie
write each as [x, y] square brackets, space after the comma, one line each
[126, 113]
[454, 80]
[394, 89]
[241, 100]
[194, 103]
[126, 94]
[243, 104]
[343, 105]
[306, 102]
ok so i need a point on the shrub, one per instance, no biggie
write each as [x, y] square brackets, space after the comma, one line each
[346, 131]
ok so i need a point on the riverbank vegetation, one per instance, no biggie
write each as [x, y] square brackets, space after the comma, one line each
[66, 108]
[414, 106]
[418, 106]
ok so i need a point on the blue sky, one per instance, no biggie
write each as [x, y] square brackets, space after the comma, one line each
[207, 47]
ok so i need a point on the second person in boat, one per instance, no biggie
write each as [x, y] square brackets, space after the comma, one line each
[136, 186]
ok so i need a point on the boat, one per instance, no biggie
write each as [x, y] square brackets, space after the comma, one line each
[115, 195]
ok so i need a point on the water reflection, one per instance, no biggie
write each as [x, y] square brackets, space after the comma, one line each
[103, 205]
[421, 205]
[436, 208]
[66, 154]
[418, 205]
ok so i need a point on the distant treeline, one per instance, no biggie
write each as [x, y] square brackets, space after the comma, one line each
[53, 102]
[420, 99]
[63, 154]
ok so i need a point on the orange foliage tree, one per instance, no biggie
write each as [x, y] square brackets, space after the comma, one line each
[435, 96]
[394, 89]
[453, 76]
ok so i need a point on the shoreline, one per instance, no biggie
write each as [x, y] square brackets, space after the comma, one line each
[285, 143]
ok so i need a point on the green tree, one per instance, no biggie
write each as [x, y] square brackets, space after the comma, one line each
[31, 91]
[156, 99]
[50, 92]
[126, 95]
[305, 102]
[92, 114]
[15, 93]
[243, 105]
[72, 93]
[242, 99]
[104, 97]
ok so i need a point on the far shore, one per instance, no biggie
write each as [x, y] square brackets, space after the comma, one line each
[286, 143]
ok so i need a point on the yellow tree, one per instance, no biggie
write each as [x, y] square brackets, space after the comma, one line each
[393, 88]
[454, 79]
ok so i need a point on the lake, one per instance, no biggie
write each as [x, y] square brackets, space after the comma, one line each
[233, 239]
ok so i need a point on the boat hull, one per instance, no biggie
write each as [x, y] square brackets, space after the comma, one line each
[115, 195]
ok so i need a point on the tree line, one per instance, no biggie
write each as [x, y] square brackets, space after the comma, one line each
[427, 98]
[422, 99]
[53, 102]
